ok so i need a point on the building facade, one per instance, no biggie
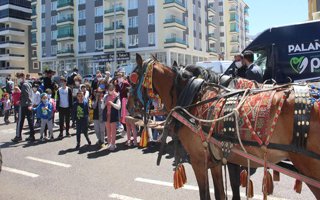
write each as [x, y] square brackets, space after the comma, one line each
[234, 27]
[15, 25]
[314, 9]
[87, 34]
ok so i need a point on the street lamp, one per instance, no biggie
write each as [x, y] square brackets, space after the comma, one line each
[113, 68]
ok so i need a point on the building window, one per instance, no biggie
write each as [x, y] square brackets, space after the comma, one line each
[44, 53]
[54, 20]
[133, 4]
[151, 39]
[99, 44]
[133, 22]
[99, 11]
[54, 50]
[82, 14]
[82, 46]
[54, 5]
[53, 35]
[98, 27]
[82, 1]
[150, 2]
[133, 40]
[150, 19]
[43, 37]
[43, 22]
[43, 8]
[82, 30]
[35, 65]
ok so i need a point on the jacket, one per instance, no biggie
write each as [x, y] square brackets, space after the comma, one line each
[69, 98]
[254, 72]
[16, 98]
[42, 113]
[26, 94]
[96, 110]
[114, 115]
[80, 111]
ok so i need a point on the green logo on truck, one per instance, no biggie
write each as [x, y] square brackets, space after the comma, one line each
[299, 64]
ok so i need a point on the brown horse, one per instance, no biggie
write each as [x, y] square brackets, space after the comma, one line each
[164, 84]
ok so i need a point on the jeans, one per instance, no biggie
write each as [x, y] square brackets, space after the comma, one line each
[23, 113]
[82, 127]
[64, 116]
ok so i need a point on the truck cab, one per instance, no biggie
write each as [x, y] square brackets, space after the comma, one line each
[288, 53]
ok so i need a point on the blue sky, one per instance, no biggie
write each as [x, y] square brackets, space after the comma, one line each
[264, 14]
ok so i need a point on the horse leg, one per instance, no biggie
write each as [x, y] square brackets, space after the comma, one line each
[217, 177]
[201, 173]
[234, 176]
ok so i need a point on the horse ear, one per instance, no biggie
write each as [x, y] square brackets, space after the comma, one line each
[139, 59]
[175, 64]
[154, 57]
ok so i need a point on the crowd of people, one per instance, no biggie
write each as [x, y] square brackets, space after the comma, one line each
[77, 101]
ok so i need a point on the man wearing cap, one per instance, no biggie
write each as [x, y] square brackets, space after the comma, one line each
[25, 108]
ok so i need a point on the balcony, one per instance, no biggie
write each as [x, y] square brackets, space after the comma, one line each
[211, 37]
[64, 5]
[11, 44]
[235, 51]
[33, 2]
[211, 10]
[110, 12]
[63, 20]
[174, 4]
[110, 29]
[211, 23]
[175, 23]
[316, 15]
[11, 57]
[20, 3]
[65, 33]
[11, 69]
[65, 52]
[6, 31]
[120, 47]
[233, 1]
[246, 11]
[175, 42]
[246, 22]
[234, 40]
[232, 9]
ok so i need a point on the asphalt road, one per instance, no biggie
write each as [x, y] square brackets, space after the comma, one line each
[56, 171]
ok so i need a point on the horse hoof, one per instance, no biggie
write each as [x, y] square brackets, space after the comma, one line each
[224, 161]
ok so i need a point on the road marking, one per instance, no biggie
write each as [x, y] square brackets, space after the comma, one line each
[49, 162]
[17, 171]
[195, 188]
[122, 197]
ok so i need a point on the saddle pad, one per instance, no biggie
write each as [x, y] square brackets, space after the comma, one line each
[255, 115]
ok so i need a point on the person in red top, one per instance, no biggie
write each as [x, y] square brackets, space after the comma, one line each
[16, 101]
[122, 88]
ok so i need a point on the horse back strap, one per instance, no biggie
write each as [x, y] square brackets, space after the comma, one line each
[302, 109]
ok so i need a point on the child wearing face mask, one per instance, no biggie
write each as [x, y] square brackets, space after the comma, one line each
[75, 90]
[53, 102]
[44, 111]
[35, 102]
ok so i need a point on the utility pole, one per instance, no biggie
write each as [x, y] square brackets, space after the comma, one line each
[113, 68]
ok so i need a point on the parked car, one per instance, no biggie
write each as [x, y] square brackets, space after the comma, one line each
[218, 66]
[89, 77]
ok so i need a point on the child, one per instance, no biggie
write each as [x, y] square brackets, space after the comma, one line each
[99, 116]
[44, 112]
[16, 101]
[6, 107]
[85, 92]
[36, 101]
[81, 115]
[113, 106]
[53, 103]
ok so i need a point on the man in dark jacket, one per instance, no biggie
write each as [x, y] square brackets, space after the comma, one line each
[64, 106]
[253, 71]
[25, 108]
[47, 81]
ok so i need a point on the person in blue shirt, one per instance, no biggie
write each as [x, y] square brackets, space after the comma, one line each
[44, 112]
[81, 116]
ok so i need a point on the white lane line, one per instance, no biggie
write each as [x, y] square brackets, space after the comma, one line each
[49, 162]
[122, 197]
[191, 187]
[17, 171]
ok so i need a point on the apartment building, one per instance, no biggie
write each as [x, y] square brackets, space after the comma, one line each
[314, 9]
[15, 25]
[87, 34]
[234, 27]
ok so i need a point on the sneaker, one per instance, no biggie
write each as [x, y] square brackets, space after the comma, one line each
[67, 134]
[41, 137]
[16, 139]
[89, 142]
[51, 138]
[30, 139]
[112, 147]
[78, 146]
[102, 146]
[60, 136]
[128, 143]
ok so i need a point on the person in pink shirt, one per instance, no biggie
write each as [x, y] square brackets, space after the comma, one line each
[113, 105]
[16, 101]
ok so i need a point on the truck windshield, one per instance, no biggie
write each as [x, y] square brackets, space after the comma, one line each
[260, 58]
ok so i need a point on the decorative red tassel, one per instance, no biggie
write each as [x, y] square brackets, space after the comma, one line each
[276, 175]
[243, 178]
[179, 177]
[269, 184]
[250, 189]
[298, 186]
